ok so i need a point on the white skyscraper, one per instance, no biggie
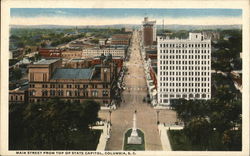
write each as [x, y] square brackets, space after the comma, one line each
[183, 68]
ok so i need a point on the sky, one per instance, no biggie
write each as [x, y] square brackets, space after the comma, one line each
[109, 16]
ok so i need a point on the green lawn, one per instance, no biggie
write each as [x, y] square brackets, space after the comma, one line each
[128, 147]
[180, 142]
[88, 141]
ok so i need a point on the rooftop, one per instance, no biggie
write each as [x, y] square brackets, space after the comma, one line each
[64, 73]
[151, 51]
[77, 60]
[47, 61]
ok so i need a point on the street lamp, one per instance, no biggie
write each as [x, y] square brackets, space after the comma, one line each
[110, 117]
[158, 117]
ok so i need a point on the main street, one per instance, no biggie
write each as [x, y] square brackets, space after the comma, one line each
[133, 95]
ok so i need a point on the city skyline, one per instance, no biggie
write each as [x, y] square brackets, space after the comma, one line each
[111, 16]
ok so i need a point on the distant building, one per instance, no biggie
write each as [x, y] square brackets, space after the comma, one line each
[151, 53]
[128, 29]
[48, 79]
[121, 39]
[148, 32]
[78, 63]
[90, 62]
[19, 95]
[50, 52]
[184, 68]
[71, 54]
[115, 52]
[102, 42]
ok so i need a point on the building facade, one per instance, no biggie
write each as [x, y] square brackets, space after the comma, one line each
[121, 39]
[50, 52]
[19, 95]
[183, 68]
[116, 52]
[47, 79]
[148, 31]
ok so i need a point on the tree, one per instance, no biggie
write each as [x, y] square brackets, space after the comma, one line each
[43, 44]
[51, 125]
[37, 57]
[198, 131]
[16, 74]
[189, 109]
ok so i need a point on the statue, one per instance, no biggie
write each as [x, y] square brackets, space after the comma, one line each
[134, 138]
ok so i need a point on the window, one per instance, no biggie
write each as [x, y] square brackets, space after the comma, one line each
[32, 86]
[77, 86]
[104, 93]
[52, 92]
[69, 86]
[105, 86]
[44, 93]
[85, 86]
[94, 86]
[69, 93]
[77, 93]
[94, 93]
[85, 93]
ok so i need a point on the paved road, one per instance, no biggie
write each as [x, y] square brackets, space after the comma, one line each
[146, 116]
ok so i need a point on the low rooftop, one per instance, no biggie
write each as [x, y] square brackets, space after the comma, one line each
[64, 73]
[47, 61]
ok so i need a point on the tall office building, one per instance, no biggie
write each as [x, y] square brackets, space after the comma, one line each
[149, 31]
[184, 68]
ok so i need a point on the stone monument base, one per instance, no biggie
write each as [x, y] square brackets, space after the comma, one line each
[134, 140]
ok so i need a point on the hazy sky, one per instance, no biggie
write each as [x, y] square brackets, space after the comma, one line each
[95, 16]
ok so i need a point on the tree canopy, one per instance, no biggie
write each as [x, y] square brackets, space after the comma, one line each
[51, 125]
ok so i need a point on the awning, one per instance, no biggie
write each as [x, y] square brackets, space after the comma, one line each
[154, 92]
[151, 87]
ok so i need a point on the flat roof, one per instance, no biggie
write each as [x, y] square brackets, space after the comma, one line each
[77, 60]
[46, 61]
[72, 73]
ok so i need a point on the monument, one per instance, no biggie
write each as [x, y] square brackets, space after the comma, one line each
[134, 138]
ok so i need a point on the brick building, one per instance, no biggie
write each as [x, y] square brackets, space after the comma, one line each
[48, 79]
[50, 52]
[148, 32]
[121, 39]
[19, 95]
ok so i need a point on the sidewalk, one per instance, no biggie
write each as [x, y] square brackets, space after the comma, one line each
[166, 146]
[104, 136]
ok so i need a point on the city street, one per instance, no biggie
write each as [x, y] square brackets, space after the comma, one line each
[135, 91]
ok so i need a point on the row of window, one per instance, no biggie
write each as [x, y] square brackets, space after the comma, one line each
[203, 96]
[184, 57]
[184, 73]
[178, 45]
[69, 100]
[183, 95]
[184, 62]
[16, 98]
[184, 79]
[191, 51]
[94, 93]
[69, 86]
[184, 90]
[184, 84]
[184, 68]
